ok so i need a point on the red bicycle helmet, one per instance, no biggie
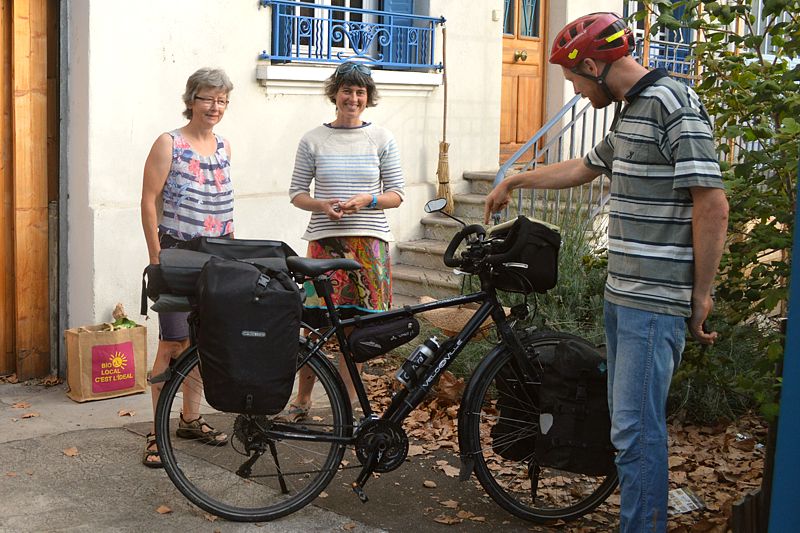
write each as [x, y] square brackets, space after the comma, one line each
[601, 36]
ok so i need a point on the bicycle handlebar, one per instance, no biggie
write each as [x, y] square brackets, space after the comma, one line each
[519, 235]
[448, 258]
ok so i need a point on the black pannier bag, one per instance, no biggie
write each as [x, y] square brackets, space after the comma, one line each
[180, 267]
[531, 256]
[514, 434]
[574, 392]
[247, 327]
[371, 340]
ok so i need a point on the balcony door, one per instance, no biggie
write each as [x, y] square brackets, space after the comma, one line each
[522, 94]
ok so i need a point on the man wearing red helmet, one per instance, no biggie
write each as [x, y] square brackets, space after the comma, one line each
[667, 223]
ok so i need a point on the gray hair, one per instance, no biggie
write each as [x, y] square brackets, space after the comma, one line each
[204, 78]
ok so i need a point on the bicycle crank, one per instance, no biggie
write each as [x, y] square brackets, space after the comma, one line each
[386, 438]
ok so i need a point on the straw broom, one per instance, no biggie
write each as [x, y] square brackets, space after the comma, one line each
[443, 168]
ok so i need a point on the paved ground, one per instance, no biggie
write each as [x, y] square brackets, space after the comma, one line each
[105, 488]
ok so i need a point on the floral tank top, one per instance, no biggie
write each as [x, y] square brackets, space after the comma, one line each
[198, 195]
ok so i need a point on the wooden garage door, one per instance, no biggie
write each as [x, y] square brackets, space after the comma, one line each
[29, 150]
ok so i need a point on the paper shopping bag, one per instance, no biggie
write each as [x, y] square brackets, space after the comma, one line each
[103, 362]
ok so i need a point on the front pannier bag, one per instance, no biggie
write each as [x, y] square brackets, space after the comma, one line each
[531, 250]
[247, 326]
[574, 392]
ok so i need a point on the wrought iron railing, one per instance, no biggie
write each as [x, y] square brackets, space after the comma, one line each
[558, 140]
[308, 32]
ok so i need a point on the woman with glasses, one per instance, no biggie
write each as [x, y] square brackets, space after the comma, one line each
[187, 193]
[355, 168]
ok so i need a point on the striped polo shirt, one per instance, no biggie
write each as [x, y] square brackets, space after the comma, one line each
[660, 147]
[343, 162]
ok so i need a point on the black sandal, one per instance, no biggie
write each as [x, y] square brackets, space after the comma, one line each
[149, 452]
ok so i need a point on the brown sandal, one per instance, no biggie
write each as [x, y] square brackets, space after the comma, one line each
[293, 413]
[150, 451]
[194, 429]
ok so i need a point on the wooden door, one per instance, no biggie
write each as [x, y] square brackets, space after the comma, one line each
[522, 94]
[28, 148]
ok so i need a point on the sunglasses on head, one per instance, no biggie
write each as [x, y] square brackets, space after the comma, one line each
[347, 68]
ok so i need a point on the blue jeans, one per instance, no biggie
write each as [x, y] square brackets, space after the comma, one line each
[644, 349]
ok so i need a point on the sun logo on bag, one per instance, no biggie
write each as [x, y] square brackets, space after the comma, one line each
[119, 360]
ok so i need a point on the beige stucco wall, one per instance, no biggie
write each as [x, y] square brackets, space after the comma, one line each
[127, 66]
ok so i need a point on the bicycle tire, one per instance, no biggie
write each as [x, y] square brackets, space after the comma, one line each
[207, 475]
[556, 494]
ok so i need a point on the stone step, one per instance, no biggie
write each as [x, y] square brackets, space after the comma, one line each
[415, 281]
[480, 182]
[426, 253]
[439, 227]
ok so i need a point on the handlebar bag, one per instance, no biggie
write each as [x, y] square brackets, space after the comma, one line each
[371, 340]
[247, 327]
[533, 263]
[574, 391]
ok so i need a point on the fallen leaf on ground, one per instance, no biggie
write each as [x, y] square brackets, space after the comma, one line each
[428, 484]
[449, 520]
[126, 412]
[349, 526]
[11, 474]
[210, 517]
[163, 509]
[20, 405]
[450, 504]
[30, 415]
[323, 494]
[71, 452]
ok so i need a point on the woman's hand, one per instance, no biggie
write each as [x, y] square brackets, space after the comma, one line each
[356, 203]
[332, 208]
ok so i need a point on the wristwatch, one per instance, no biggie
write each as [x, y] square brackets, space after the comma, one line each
[374, 203]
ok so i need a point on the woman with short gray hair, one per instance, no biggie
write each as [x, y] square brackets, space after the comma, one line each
[187, 173]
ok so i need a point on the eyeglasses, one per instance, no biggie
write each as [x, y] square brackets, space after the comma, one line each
[209, 101]
[347, 68]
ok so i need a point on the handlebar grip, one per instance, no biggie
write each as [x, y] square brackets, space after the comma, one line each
[520, 239]
[451, 261]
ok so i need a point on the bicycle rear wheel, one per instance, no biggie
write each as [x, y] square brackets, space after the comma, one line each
[269, 468]
[516, 482]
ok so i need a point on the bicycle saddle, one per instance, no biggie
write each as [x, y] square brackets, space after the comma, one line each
[314, 267]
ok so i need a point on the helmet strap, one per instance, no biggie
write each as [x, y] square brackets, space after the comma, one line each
[599, 80]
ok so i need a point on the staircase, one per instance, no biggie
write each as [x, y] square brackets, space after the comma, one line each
[418, 269]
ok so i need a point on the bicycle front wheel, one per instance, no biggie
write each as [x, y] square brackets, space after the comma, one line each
[505, 461]
[270, 467]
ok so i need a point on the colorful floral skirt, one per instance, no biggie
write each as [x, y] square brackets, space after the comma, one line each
[357, 292]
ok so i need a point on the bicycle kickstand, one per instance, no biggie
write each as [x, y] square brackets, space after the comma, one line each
[375, 455]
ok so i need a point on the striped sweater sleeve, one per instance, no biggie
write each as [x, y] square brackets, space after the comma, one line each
[303, 172]
[391, 171]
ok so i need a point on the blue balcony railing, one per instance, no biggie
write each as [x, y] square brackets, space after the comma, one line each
[314, 33]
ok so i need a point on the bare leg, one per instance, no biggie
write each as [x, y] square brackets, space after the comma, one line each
[168, 350]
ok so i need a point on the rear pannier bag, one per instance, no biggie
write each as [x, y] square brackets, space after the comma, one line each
[574, 392]
[535, 266]
[371, 340]
[180, 267]
[247, 326]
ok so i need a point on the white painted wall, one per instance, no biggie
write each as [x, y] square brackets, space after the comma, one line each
[127, 66]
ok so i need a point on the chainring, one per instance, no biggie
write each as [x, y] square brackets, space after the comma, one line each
[388, 435]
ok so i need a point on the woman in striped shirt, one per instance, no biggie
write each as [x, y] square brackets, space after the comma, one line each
[355, 169]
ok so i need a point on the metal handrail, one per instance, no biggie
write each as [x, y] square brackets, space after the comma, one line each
[394, 40]
[553, 144]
